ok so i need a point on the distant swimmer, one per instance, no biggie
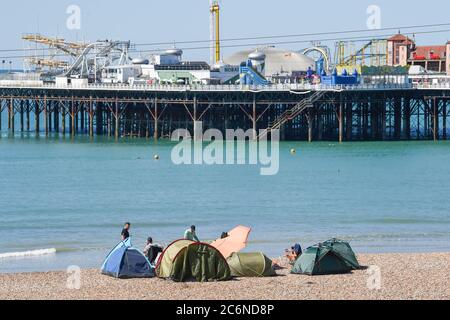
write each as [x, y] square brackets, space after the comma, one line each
[126, 231]
[190, 234]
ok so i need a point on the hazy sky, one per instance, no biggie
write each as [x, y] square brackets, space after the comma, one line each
[177, 20]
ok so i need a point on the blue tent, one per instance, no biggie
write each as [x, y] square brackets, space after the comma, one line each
[124, 261]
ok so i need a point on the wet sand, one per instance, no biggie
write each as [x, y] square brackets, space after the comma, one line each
[403, 276]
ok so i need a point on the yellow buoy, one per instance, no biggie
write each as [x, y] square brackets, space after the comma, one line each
[293, 151]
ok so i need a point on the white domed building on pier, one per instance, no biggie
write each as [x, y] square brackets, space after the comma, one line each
[278, 63]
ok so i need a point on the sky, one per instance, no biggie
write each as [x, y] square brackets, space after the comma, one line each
[180, 20]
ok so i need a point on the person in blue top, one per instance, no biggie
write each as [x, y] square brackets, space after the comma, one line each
[190, 234]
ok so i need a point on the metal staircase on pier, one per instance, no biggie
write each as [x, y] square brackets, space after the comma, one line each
[290, 114]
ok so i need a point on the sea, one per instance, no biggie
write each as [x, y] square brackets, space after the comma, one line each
[63, 201]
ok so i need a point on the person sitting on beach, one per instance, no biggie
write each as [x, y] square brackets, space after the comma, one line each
[126, 231]
[151, 250]
[148, 246]
[190, 234]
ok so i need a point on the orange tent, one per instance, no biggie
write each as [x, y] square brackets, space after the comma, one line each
[235, 242]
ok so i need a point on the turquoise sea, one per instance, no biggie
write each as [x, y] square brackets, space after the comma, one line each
[74, 196]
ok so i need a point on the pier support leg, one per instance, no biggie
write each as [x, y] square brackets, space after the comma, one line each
[435, 120]
[69, 113]
[91, 119]
[444, 120]
[45, 116]
[407, 118]
[360, 120]
[82, 117]
[11, 114]
[255, 134]
[225, 111]
[310, 125]
[99, 122]
[56, 117]
[397, 118]
[49, 115]
[155, 132]
[419, 103]
[37, 114]
[72, 118]
[383, 120]
[365, 120]
[319, 124]
[76, 115]
[116, 118]
[8, 104]
[197, 127]
[28, 115]
[63, 120]
[349, 120]
[108, 123]
[373, 120]
[22, 128]
[341, 124]
[1, 111]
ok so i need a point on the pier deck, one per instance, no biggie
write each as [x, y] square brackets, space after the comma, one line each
[365, 112]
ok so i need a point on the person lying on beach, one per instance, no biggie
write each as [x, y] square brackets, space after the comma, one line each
[126, 231]
[190, 234]
[151, 250]
[294, 253]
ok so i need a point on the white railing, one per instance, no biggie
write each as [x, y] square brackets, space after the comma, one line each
[205, 88]
[433, 86]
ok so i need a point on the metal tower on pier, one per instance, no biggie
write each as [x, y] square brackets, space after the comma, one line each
[214, 9]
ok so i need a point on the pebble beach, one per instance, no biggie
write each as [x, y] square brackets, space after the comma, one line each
[403, 276]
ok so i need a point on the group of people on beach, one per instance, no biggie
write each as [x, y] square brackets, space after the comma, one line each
[151, 250]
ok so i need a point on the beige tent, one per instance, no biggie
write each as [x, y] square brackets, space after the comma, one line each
[235, 242]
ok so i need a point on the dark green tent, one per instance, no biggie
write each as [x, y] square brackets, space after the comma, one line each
[250, 265]
[330, 257]
[200, 262]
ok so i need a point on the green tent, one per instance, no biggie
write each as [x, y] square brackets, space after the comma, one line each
[185, 260]
[330, 257]
[165, 262]
[250, 265]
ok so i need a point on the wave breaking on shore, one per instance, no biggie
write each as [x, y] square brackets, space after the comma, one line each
[26, 254]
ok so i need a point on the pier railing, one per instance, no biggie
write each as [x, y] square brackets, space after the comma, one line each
[206, 88]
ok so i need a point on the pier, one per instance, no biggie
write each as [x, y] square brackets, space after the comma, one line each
[301, 112]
